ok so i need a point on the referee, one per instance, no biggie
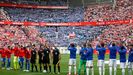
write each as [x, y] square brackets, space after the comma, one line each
[33, 59]
[46, 59]
[56, 59]
[40, 54]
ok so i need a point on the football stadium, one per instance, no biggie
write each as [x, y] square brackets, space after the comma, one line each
[66, 37]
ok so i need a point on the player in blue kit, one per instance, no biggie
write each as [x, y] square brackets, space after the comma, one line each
[89, 63]
[101, 56]
[72, 61]
[130, 60]
[122, 52]
[112, 62]
[83, 52]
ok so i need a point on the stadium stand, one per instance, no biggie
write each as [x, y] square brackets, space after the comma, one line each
[43, 15]
[38, 2]
[122, 11]
[17, 34]
[99, 13]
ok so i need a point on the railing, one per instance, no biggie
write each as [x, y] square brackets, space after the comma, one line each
[32, 6]
[102, 23]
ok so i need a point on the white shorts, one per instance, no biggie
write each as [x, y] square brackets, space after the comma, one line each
[100, 63]
[130, 65]
[122, 65]
[72, 61]
[89, 63]
[112, 63]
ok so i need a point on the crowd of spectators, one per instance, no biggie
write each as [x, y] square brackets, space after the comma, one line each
[105, 12]
[63, 39]
[122, 11]
[44, 15]
[19, 34]
[121, 33]
[1, 15]
[23, 35]
[38, 2]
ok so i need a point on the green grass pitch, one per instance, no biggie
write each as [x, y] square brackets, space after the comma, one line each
[64, 68]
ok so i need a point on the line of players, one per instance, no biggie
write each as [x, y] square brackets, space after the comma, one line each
[86, 58]
[30, 55]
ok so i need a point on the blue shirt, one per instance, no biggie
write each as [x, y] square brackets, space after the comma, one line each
[130, 56]
[83, 52]
[89, 54]
[72, 52]
[122, 54]
[113, 51]
[101, 50]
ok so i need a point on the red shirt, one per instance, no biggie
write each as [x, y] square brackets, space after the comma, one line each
[21, 53]
[16, 51]
[27, 54]
[8, 53]
[3, 53]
